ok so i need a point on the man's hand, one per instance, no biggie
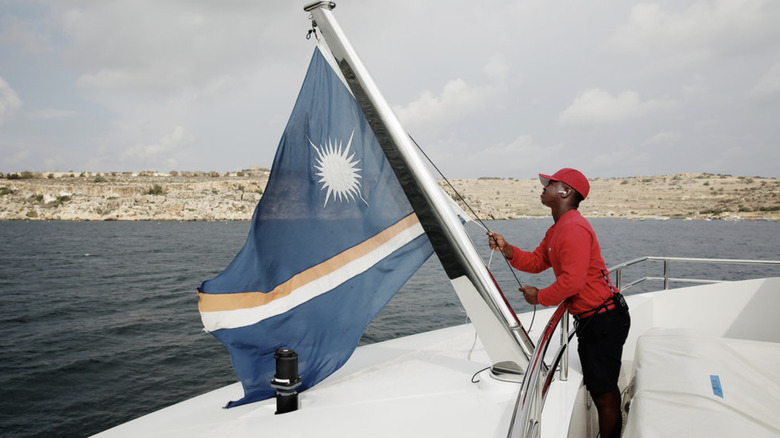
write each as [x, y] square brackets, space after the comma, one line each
[497, 243]
[530, 294]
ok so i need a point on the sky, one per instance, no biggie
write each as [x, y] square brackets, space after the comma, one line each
[493, 88]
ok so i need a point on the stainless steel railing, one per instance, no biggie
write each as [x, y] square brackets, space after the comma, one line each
[526, 417]
[667, 279]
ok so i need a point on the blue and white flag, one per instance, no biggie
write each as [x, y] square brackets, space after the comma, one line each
[332, 240]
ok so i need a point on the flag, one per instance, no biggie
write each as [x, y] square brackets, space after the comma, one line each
[331, 241]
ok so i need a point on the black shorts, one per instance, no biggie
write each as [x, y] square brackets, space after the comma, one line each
[600, 346]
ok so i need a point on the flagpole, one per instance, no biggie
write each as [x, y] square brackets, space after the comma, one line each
[503, 336]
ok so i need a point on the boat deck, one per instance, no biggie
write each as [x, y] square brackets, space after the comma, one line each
[419, 385]
[436, 383]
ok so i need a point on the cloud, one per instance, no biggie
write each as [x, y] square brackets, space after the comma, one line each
[626, 158]
[497, 69]
[663, 138]
[51, 114]
[167, 145]
[109, 81]
[9, 101]
[769, 84]
[706, 29]
[521, 156]
[183, 47]
[15, 159]
[429, 108]
[27, 38]
[457, 99]
[596, 106]
[695, 88]
[522, 146]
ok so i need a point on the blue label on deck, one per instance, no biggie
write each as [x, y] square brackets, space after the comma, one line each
[716, 388]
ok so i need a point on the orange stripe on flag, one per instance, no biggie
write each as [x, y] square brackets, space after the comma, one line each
[246, 300]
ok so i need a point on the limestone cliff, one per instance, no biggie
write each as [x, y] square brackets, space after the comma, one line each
[188, 196]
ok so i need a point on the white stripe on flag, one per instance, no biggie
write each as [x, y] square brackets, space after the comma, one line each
[245, 317]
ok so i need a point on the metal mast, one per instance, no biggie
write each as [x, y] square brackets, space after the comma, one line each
[506, 341]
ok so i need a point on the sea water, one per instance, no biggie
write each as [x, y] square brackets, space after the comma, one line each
[100, 325]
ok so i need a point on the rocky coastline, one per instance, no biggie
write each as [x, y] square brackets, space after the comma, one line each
[229, 196]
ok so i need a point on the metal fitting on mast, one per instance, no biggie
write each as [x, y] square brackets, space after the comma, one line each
[310, 7]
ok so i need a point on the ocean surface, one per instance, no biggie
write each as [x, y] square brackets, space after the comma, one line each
[100, 325]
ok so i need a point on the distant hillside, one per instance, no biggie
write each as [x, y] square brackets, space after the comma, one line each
[696, 196]
[187, 196]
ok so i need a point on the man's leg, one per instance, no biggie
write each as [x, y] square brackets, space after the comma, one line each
[610, 417]
[600, 349]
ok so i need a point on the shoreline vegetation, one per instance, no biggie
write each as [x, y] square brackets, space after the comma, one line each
[228, 196]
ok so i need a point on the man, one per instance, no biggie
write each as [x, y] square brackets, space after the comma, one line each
[571, 249]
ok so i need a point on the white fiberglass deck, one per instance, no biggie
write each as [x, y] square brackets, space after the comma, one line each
[419, 385]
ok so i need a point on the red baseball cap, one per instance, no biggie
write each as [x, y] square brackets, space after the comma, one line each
[574, 178]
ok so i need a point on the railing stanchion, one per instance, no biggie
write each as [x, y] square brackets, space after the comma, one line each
[564, 374]
[666, 274]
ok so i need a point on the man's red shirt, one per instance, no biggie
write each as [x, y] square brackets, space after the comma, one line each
[571, 249]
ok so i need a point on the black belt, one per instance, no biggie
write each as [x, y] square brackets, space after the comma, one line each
[601, 309]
